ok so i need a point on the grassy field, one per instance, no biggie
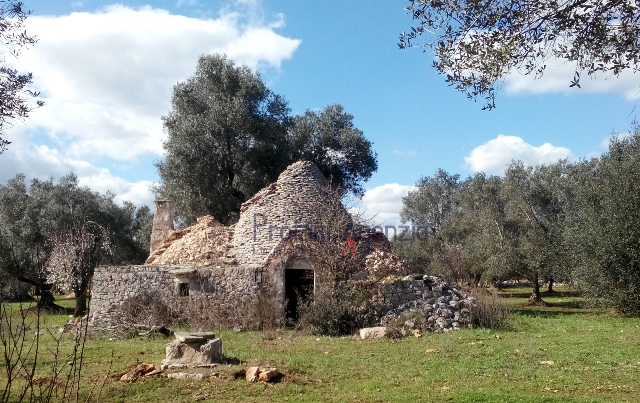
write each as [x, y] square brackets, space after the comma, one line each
[557, 353]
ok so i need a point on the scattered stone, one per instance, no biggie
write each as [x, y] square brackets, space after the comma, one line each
[267, 374]
[186, 375]
[444, 308]
[372, 332]
[252, 374]
[263, 374]
[139, 371]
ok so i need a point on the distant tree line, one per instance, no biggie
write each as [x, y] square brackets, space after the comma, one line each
[53, 235]
[577, 222]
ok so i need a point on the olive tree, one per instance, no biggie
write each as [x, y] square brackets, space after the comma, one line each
[478, 42]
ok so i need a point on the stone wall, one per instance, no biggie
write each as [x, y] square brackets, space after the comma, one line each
[185, 289]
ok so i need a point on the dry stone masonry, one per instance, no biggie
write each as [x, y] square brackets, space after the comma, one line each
[266, 218]
[222, 270]
[444, 308]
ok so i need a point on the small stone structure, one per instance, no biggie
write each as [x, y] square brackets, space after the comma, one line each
[217, 267]
[162, 224]
[193, 349]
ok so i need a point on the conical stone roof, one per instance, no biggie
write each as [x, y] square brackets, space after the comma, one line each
[267, 217]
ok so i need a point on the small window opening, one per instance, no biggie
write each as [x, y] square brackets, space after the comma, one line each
[184, 289]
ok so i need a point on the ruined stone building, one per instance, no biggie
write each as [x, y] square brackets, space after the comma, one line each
[220, 270]
[224, 266]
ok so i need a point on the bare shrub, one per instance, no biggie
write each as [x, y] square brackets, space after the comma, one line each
[489, 311]
[334, 312]
[405, 324]
[20, 337]
[148, 310]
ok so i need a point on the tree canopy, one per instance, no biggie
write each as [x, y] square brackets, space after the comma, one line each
[339, 149]
[14, 91]
[228, 136]
[478, 42]
[43, 224]
[569, 222]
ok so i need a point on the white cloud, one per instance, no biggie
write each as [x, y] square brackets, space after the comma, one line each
[384, 203]
[107, 77]
[493, 156]
[42, 162]
[558, 75]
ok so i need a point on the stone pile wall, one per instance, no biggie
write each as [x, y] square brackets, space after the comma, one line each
[444, 307]
[226, 289]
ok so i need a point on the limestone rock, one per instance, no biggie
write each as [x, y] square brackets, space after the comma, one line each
[194, 337]
[139, 371]
[193, 350]
[263, 374]
[252, 374]
[267, 374]
[372, 332]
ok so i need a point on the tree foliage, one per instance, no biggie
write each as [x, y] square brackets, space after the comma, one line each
[14, 91]
[604, 225]
[226, 140]
[339, 149]
[229, 136]
[478, 42]
[45, 223]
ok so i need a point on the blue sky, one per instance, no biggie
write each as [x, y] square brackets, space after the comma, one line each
[106, 71]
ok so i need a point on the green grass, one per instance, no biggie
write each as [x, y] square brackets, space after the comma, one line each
[595, 354]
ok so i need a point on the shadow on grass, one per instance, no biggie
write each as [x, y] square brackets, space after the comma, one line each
[527, 293]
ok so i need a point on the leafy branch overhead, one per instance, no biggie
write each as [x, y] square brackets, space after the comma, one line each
[478, 42]
[14, 86]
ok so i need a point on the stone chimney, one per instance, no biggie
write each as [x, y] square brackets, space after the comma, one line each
[162, 224]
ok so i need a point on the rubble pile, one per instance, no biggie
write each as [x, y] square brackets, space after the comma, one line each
[436, 306]
[205, 243]
[385, 262]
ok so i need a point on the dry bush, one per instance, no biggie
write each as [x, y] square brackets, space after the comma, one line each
[405, 324]
[489, 311]
[148, 310]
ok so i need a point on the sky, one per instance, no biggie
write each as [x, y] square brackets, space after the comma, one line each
[106, 71]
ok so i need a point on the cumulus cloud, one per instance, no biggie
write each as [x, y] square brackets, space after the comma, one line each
[493, 156]
[557, 77]
[383, 203]
[43, 162]
[107, 77]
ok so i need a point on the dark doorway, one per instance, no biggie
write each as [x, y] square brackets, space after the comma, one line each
[298, 286]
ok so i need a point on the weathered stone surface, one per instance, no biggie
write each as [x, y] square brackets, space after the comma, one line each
[263, 374]
[193, 354]
[162, 224]
[267, 374]
[444, 307]
[139, 371]
[186, 375]
[372, 332]
[194, 337]
[252, 374]
[205, 243]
